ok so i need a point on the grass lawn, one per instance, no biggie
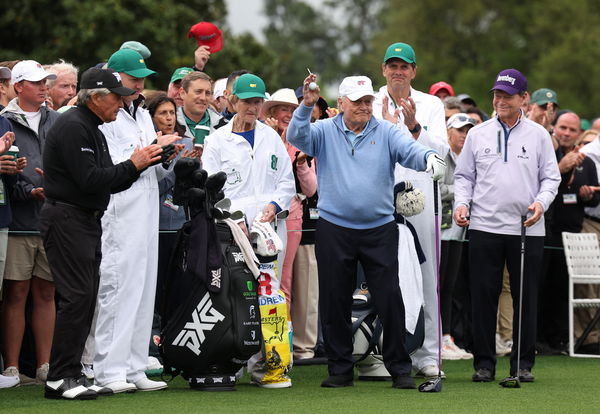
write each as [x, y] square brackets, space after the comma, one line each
[563, 385]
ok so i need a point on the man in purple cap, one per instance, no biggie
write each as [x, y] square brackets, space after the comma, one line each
[506, 170]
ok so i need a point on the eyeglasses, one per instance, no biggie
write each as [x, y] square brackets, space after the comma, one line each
[462, 118]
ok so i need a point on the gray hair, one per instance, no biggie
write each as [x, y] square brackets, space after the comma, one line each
[452, 102]
[84, 95]
[58, 68]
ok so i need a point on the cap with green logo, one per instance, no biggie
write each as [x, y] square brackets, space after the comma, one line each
[401, 51]
[249, 86]
[130, 62]
[180, 73]
[543, 96]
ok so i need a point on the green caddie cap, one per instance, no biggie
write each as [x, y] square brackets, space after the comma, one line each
[180, 73]
[543, 96]
[401, 51]
[249, 86]
[130, 62]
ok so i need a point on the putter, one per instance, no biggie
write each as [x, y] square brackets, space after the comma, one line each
[435, 385]
[513, 381]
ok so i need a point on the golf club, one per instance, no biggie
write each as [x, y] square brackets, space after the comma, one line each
[435, 385]
[513, 381]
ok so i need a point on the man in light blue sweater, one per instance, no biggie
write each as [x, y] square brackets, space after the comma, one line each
[356, 155]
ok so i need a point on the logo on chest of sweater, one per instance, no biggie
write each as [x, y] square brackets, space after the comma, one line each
[523, 154]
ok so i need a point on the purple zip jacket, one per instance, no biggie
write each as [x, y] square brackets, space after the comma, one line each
[501, 171]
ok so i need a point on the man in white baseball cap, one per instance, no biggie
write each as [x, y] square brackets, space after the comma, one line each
[357, 154]
[26, 266]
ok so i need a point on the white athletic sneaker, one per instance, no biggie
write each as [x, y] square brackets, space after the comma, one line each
[452, 350]
[503, 347]
[118, 387]
[449, 350]
[41, 374]
[8, 381]
[13, 371]
[429, 372]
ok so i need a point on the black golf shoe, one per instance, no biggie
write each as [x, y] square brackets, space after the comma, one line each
[525, 375]
[68, 389]
[483, 375]
[404, 382]
[338, 381]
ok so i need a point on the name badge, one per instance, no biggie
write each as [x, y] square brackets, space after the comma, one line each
[314, 213]
[569, 198]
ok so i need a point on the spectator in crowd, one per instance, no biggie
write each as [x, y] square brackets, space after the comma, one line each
[27, 268]
[9, 167]
[591, 224]
[196, 114]
[476, 114]
[7, 91]
[467, 101]
[503, 180]
[452, 106]
[229, 112]
[353, 228]
[278, 113]
[62, 89]
[130, 224]
[219, 102]
[162, 109]
[80, 176]
[575, 192]
[5, 76]
[307, 340]
[588, 136]
[441, 90]
[452, 235]
[423, 115]
[260, 181]
[542, 107]
[141, 48]
[174, 88]
[595, 124]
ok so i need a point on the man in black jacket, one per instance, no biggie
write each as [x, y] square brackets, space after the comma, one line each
[79, 178]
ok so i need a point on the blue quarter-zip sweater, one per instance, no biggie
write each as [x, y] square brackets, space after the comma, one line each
[355, 180]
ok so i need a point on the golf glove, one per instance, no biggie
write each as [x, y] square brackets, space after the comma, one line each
[436, 166]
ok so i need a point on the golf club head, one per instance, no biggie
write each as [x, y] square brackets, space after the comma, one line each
[510, 382]
[223, 204]
[237, 215]
[433, 385]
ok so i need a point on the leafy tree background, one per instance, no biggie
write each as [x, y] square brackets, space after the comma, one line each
[555, 44]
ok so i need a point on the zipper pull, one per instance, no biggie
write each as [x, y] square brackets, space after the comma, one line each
[353, 151]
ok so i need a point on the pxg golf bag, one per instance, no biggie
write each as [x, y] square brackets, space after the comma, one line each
[211, 320]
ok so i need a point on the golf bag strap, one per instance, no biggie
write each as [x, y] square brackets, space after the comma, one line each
[374, 337]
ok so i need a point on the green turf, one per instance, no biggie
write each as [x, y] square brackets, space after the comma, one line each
[563, 385]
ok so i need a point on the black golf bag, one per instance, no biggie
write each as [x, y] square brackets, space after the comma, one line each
[210, 318]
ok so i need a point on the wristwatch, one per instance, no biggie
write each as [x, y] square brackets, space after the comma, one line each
[416, 129]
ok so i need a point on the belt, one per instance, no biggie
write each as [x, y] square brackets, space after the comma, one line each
[597, 220]
[97, 214]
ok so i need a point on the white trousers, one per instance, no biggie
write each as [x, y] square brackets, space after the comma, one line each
[127, 284]
[424, 224]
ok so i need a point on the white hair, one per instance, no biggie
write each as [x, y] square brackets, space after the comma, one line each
[59, 68]
[84, 95]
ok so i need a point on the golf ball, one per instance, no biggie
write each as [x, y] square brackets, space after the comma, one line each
[312, 86]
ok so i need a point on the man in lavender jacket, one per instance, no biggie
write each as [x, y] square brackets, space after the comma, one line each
[507, 169]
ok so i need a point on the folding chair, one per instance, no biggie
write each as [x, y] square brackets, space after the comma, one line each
[583, 263]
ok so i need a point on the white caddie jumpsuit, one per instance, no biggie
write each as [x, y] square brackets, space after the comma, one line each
[430, 115]
[128, 269]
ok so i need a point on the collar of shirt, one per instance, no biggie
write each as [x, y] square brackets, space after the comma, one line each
[352, 136]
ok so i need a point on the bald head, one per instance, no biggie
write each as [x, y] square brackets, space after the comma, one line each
[567, 129]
